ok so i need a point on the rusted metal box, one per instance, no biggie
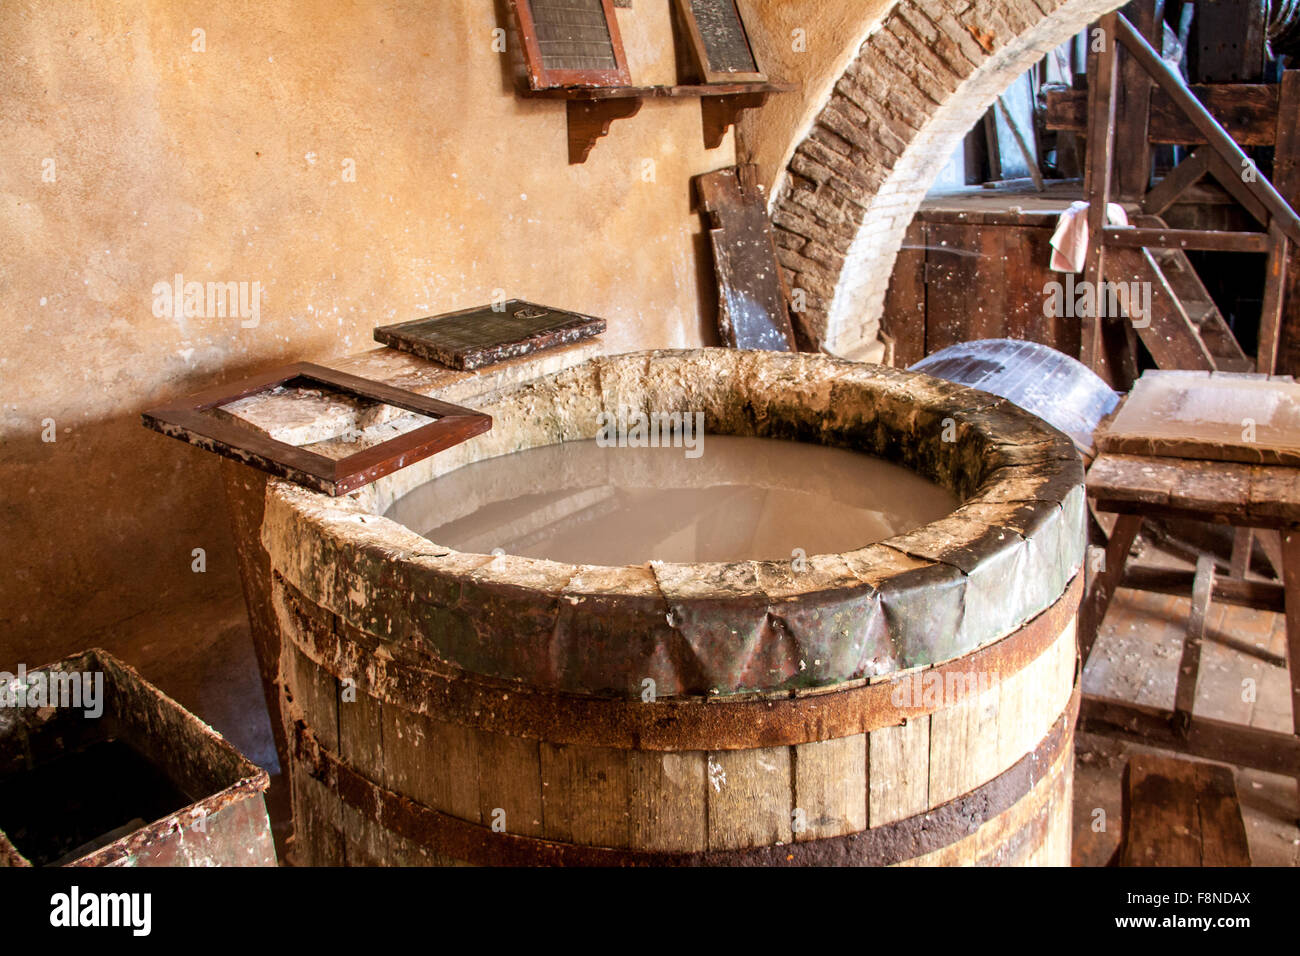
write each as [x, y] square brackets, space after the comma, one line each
[100, 768]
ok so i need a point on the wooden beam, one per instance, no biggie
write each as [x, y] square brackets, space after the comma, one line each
[1270, 314]
[1248, 111]
[1026, 153]
[1208, 239]
[1242, 592]
[1230, 179]
[1133, 109]
[1286, 176]
[1189, 667]
[1102, 99]
[1267, 750]
[1102, 589]
[1182, 177]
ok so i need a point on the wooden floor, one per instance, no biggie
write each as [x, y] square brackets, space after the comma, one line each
[1136, 659]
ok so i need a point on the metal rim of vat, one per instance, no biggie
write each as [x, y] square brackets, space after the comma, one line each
[733, 723]
[706, 631]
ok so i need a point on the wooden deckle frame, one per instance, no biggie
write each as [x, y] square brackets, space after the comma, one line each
[185, 419]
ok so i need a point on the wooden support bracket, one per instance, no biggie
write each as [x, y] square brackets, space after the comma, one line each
[592, 109]
[720, 113]
[589, 120]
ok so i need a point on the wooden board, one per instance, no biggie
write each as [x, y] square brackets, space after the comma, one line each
[1248, 111]
[1181, 813]
[185, 419]
[571, 43]
[752, 312]
[1261, 496]
[485, 335]
[1252, 419]
[719, 42]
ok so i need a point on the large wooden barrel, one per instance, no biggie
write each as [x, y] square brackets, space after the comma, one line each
[911, 702]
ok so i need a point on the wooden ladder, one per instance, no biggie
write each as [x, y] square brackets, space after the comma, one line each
[1185, 328]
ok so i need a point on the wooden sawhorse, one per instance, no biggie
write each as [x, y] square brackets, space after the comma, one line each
[1243, 496]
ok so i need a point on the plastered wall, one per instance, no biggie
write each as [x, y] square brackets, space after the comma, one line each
[362, 163]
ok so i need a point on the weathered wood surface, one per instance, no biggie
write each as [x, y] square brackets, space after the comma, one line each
[723, 763]
[1249, 113]
[185, 419]
[964, 564]
[905, 781]
[1261, 496]
[218, 817]
[752, 300]
[1250, 419]
[487, 334]
[1181, 813]
[718, 40]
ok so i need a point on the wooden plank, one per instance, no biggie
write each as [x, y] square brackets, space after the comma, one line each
[1187, 173]
[752, 299]
[1101, 591]
[584, 795]
[1189, 666]
[898, 778]
[1272, 310]
[509, 783]
[1265, 750]
[1181, 813]
[1133, 109]
[433, 762]
[1166, 329]
[1220, 417]
[1027, 154]
[488, 334]
[1262, 595]
[1129, 478]
[1286, 176]
[1291, 581]
[1211, 240]
[830, 788]
[964, 745]
[965, 284]
[1230, 179]
[667, 801]
[361, 744]
[1248, 111]
[904, 315]
[1098, 350]
[750, 802]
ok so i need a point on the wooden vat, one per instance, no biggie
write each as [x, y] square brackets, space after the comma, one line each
[911, 702]
[99, 768]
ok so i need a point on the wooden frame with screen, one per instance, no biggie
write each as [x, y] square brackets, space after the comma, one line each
[557, 54]
[184, 419]
[719, 41]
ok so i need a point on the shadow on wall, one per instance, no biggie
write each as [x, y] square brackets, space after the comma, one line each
[108, 515]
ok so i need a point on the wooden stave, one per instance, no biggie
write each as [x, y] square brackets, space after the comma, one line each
[336, 832]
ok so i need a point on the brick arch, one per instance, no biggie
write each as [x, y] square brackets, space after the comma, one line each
[918, 83]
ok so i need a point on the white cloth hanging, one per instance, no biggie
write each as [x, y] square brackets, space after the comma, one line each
[1070, 240]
